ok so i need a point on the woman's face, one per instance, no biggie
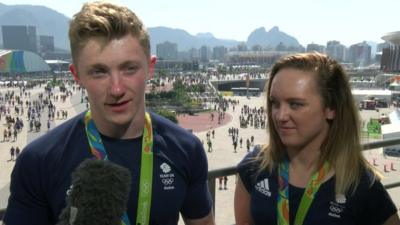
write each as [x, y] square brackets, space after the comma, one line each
[297, 110]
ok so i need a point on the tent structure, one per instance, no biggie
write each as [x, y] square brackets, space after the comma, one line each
[18, 61]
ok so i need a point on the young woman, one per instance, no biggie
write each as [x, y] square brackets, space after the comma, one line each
[312, 171]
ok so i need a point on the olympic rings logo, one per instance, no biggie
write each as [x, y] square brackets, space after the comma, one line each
[167, 181]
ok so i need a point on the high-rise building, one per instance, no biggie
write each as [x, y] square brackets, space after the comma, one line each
[336, 50]
[167, 51]
[194, 54]
[381, 46]
[360, 54]
[205, 54]
[315, 47]
[219, 52]
[46, 44]
[19, 37]
[390, 61]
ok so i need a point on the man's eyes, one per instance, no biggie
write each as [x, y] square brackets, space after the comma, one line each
[131, 69]
[97, 72]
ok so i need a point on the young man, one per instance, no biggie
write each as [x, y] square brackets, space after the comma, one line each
[111, 60]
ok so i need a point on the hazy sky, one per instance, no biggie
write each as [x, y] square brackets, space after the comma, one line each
[310, 21]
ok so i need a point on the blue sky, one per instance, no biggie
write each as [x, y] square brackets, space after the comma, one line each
[310, 21]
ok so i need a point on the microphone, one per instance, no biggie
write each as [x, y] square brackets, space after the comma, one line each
[98, 194]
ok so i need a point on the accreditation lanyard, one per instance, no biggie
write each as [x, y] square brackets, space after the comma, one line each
[146, 166]
[307, 198]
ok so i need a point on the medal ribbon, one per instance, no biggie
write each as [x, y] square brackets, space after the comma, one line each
[146, 166]
[307, 198]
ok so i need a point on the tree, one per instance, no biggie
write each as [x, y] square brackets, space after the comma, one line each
[167, 114]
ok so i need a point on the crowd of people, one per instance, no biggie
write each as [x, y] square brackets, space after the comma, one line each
[24, 108]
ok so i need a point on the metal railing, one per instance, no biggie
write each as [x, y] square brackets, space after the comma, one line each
[228, 171]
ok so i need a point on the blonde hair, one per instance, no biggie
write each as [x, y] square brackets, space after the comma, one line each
[341, 147]
[105, 21]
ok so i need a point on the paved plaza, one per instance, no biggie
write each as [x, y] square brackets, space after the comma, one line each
[221, 156]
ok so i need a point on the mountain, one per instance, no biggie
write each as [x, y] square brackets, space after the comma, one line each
[205, 35]
[272, 38]
[53, 23]
[185, 40]
[46, 20]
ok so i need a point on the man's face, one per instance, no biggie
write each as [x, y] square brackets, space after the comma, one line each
[114, 76]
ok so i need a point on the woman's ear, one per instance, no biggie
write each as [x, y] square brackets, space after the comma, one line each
[330, 114]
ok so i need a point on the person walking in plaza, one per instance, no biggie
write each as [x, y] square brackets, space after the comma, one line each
[31, 125]
[225, 183]
[312, 171]
[17, 152]
[209, 145]
[9, 134]
[12, 153]
[220, 179]
[111, 59]
[5, 134]
[235, 145]
[15, 134]
[248, 145]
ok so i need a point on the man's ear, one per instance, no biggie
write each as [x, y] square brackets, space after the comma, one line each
[153, 61]
[74, 73]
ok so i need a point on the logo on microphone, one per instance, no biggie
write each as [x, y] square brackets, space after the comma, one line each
[167, 178]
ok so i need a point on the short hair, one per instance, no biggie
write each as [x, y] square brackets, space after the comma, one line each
[342, 146]
[105, 21]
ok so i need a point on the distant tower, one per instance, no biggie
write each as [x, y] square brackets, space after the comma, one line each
[205, 54]
[360, 54]
[19, 38]
[46, 44]
[315, 47]
[336, 50]
[167, 51]
[219, 52]
[390, 61]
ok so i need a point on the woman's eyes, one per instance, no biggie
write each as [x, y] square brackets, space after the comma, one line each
[292, 105]
[295, 105]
